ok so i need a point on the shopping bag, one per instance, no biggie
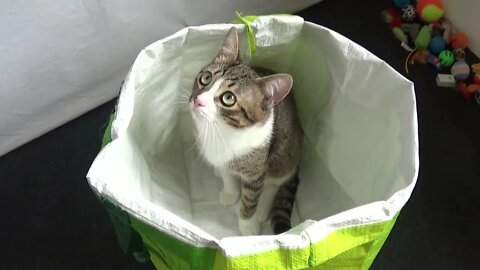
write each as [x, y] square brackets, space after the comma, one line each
[359, 159]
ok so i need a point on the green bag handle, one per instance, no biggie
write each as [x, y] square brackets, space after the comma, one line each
[247, 20]
[252, 47]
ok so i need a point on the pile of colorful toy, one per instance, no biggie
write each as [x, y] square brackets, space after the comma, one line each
[420, 25]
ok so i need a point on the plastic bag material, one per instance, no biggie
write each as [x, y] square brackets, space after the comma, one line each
[359, 161]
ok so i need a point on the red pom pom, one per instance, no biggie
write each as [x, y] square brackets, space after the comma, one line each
[392, 17]
[459, 40]
[396, 22]
[462, 89]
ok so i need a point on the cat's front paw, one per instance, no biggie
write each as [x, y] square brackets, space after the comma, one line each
[249, 226]
[262, 214]
[227, 198]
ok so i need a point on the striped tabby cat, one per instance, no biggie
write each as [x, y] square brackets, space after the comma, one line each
[247, 128]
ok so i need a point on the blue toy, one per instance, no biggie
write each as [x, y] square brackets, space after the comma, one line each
[401, 3]
[433, 61]
[436, 45]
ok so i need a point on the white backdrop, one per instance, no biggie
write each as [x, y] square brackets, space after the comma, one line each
[59, 59]
[464, 16]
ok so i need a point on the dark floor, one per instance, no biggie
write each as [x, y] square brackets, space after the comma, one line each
[52, 220]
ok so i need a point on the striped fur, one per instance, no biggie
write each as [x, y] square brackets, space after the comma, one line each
[283, 205]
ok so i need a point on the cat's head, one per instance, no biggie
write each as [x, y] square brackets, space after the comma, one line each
[229, 91]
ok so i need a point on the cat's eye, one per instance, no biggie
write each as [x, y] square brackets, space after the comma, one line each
[205, 78]
[228, 99]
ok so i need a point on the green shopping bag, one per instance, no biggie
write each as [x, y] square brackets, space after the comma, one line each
[358, 169]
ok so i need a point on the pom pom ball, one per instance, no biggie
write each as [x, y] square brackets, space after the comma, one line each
[462, 89]
[409, 13]
[391, 16]
[460, 70]
[437, 45]
[476, 79]
[430, 10]
[476, 68]
[459, 40]
[473, 88]
[433, 61]
[461, 85]
[446, 58]
[401, 3]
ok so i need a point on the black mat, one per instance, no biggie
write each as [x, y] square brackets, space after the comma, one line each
[52, 220]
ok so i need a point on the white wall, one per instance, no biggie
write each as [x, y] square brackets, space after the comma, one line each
[465, 16]
[59, 59]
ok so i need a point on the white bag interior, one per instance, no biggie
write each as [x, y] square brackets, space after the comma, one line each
[358, 115]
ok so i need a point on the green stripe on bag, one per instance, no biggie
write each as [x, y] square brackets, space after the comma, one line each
[167, 252]
[349, 248]
[107, 136]
[356, 247]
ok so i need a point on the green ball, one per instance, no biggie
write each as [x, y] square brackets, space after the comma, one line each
[431, 13]
[446, 58]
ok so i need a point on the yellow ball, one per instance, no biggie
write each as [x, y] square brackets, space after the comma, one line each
[431, 13]
[430, 10]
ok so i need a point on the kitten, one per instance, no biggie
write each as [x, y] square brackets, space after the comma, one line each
[247, 127]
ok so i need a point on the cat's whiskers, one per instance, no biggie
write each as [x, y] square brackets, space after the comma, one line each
[212, 138]
[185, 92]
[196, 141]
[219, 134]
[215, 137]
[204, 142]
[206, 116]
[181, 100]
[203, 135]
[209, 135]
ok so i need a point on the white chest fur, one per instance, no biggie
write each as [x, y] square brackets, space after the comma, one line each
[220, 143]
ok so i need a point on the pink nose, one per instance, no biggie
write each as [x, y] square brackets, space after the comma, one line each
[198, 103]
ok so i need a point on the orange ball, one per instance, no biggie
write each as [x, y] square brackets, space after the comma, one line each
[476, 68]
[459, 40]
[473, 88]
[422, 3]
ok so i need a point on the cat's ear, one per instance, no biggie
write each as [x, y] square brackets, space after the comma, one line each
[229, 51]
[276, 87]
